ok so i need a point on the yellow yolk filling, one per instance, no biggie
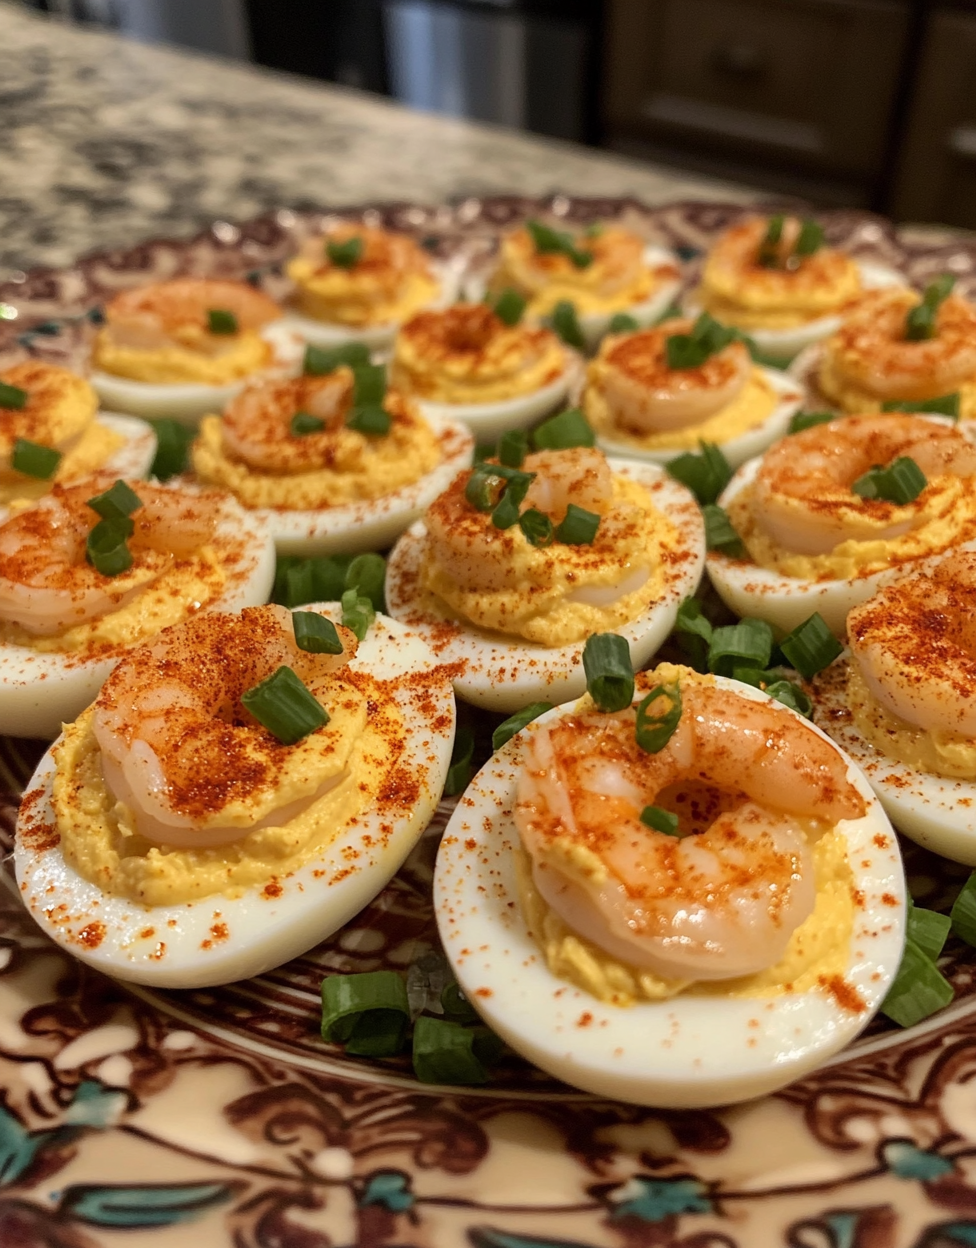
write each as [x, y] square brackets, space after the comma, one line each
[89, 453]
[515, 362]
[851, 397]
[200, 357]
[334, 294]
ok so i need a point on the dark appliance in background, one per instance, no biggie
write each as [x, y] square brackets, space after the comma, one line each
[529, 64]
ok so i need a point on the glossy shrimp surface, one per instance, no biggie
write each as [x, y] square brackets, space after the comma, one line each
[803, 496]
[720, 899]
[179, 748]
[177, 313]
[257, 424]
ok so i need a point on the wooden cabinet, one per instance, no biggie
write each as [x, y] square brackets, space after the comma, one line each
[806, 83]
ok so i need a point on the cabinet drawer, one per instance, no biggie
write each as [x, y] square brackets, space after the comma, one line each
[811, 80]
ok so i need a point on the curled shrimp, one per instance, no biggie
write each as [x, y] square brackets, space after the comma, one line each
[59, 408]
[616, 265]
[46, 584]
[176, 313]
[177, 745]
[256, 424]
[802, 492]
[722, 898]
[870, 349]
[914, 643]
[645, 395]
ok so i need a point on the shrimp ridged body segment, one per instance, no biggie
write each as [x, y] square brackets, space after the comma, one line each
[751, 785]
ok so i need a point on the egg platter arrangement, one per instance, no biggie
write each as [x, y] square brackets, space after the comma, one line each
[707, 605]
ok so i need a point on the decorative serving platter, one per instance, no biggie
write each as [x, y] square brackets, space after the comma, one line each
[220, 1117]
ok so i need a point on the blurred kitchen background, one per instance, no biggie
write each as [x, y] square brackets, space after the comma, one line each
[862, 102]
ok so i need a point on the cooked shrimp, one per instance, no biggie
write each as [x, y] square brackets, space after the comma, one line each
[179, 748]
[59, 408]
[707, 904]
[802, 493]
[616, 267]
[914, 643]
[256, 425]
[870, 348]
[645, 395]
[177, 312]
[46, 584]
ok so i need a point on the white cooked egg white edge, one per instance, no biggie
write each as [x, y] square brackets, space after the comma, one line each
[505, 674]
[934, 811]
[40, 691]
[738, 449]
[372, 523]
[686, 1052]
[273, 929]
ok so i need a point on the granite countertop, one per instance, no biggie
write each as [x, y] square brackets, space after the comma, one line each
[104, 142]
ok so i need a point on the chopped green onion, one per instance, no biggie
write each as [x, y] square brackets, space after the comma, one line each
[747, 674]
[12, 396]
[368, 384]
[117, 503]
[459, 772]
[566, 324]
[298, 581]
[368, 1013]
[609, 671]
[315, 633]
[579, 527]
[623, 323]
[653, 732]
[515, 723]
[940, 288]
[807, 420]
[483, 451]
[321, 360]
[811, 646]
[303, 423]
[372, 421]
[34, 460]
[928, 929]
[509, 306]
[484, 488]
[719, 533]
[693, 632]
[963, 912]
[706, 339]
[920, 321]
[358, 612]
[550, 241]
[537, 528]
[919, 989]
[506, 510]
[706, 475]
[660, 820]
[513, 446]
[790, 695]
[285, 706]
[443, 1052]
[559, 433]
[809, 239]
[173, 442]
[106, 549]
[901, 482]
[944, 405]
[768, 254]
[345, 255]
[749, 641]
[456, 1005]
[672, 311]
[366, 574]
[220, 321]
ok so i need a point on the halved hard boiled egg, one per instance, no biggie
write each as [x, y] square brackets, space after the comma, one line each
[237, 933]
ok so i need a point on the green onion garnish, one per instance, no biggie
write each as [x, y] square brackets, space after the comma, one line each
[321, 360]
[372, 421]
[12, 396]
[694, 632]
[537, 528]
[707, 338]
[768, 255]
[34, 460]
[106, 549]
[944, 405]
[566, 324]
[513, 446]
[811, 646]
[459, 772]
[928, 929]
[809, 239]
[309, 580]
[719, 533]
[623, 323]
[806, 420]
[368, 384]
[443, 1052]
[220, 321]
[920, 321]
[660, 820]
[792, 696]
[303, 423]
[117, 503]
[282, 704]
[358, 612]
[579, 527]
[366, 574]
[506, 510]
[368, 1013]
[315, 633]
[609, 671]
[749, 641]
[549, 241]
[484, 488]
[509, 306]
[456, 1005]
[901, 482]
[173, 442]
[653, 732]
[963, 912]
[515, 723]
[919, 989]
[559, 433]
[346, 254]
[706, 475]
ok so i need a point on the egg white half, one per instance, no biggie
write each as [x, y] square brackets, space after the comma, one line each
[738, 449]
[503, 673]
[188, 401]
[934, 811]
[373, 523]
[685, 1052]
[39, 692]
[261, 931]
